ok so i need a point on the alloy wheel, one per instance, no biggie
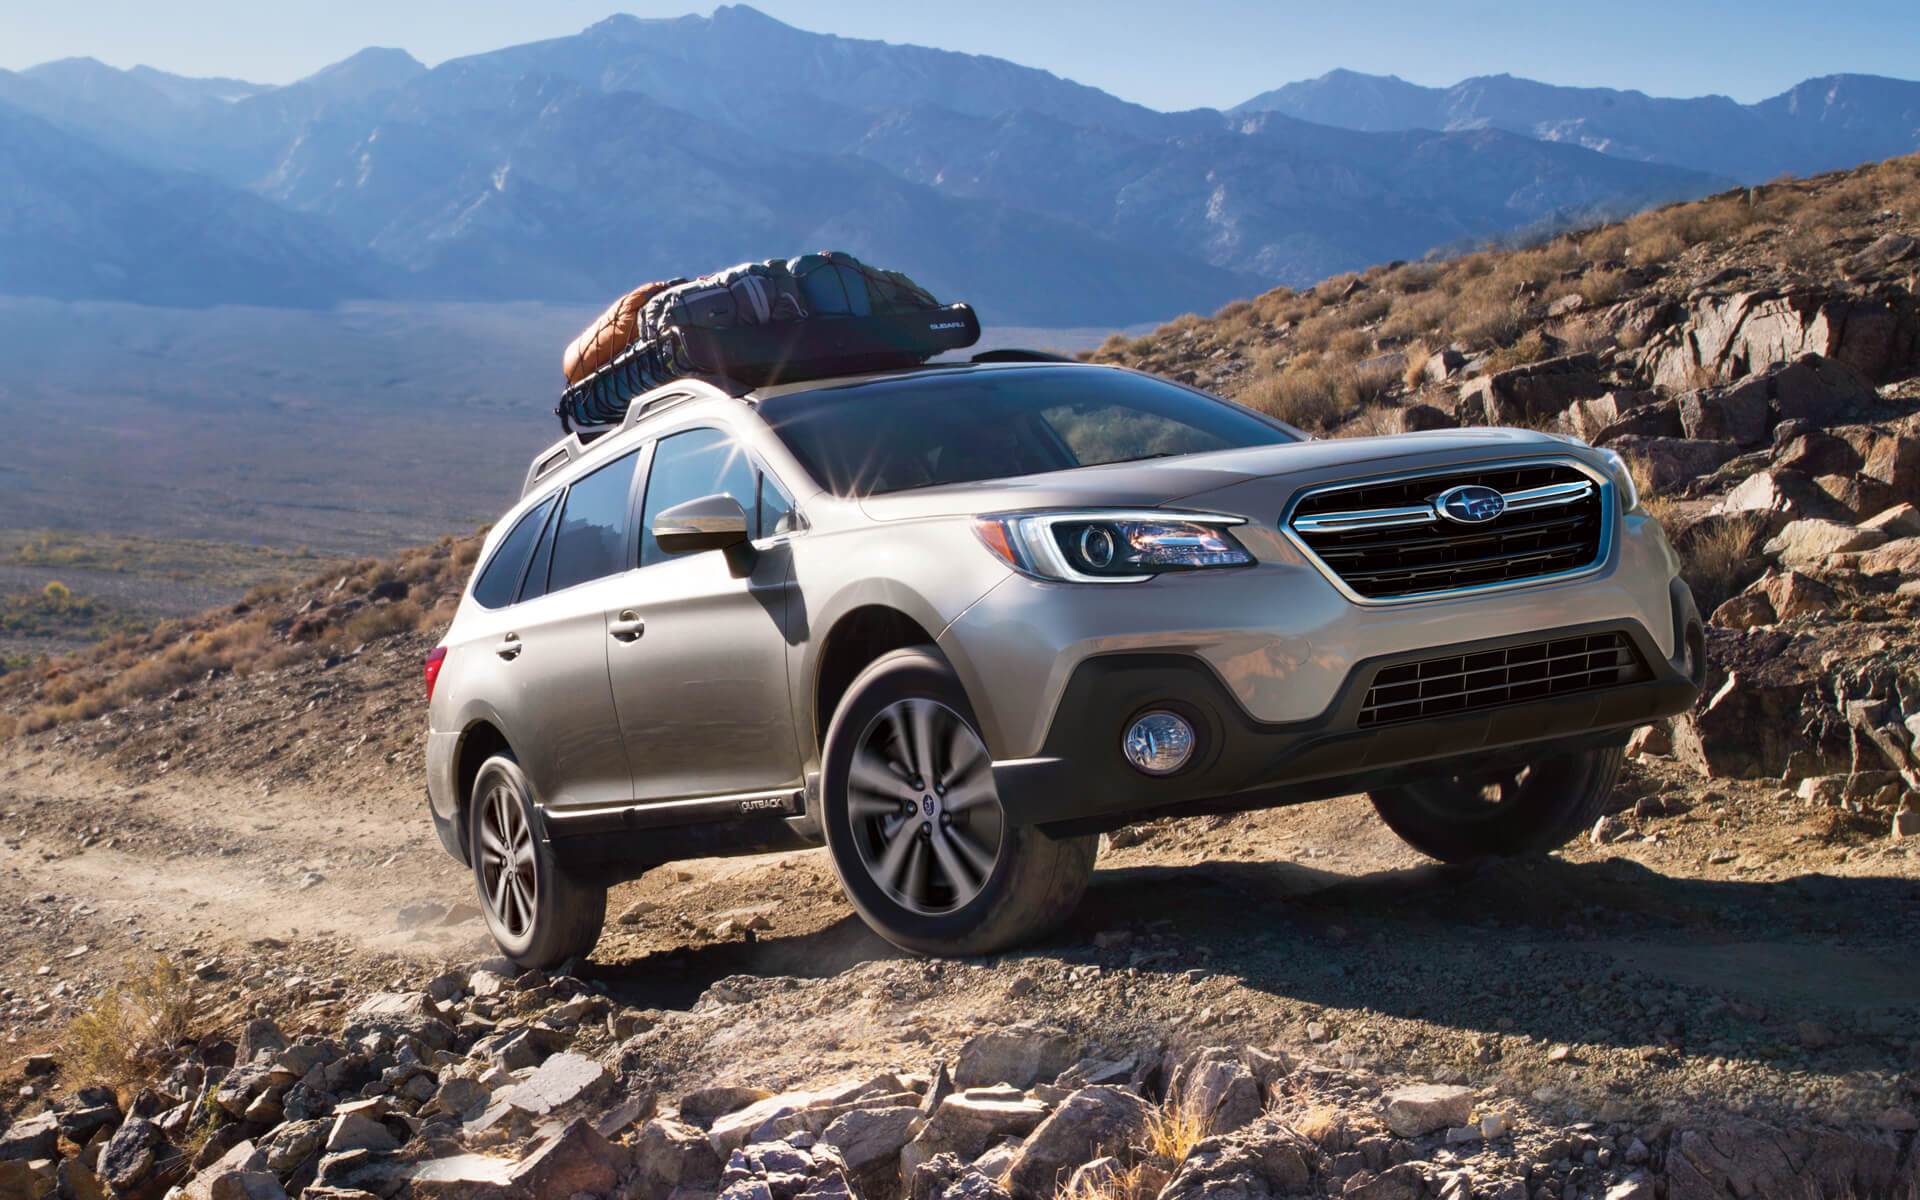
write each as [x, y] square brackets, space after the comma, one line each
[508, 883]
[926, 819]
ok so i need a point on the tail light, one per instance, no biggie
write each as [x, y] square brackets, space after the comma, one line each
[435, 657]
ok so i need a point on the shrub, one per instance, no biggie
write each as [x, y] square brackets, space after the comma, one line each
[1300, 395]
[1602, 287]
[1657, 246]
[381, 620]
[130, 1033]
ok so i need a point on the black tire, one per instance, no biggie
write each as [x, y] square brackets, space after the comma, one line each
[539, 915]
[1034, 882]
[1530, 811]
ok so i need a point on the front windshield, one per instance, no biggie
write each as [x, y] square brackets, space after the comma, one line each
[919, 431]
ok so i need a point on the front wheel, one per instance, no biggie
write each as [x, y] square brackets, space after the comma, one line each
[538, 914]
[1527, 810]
[924, 850]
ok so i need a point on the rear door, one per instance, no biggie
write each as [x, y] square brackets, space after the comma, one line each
[701, 680]
[562, 712]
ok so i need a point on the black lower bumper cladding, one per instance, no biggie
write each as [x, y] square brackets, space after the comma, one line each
[1080, 783]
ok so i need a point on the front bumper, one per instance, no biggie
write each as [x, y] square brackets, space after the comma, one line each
[1080, 783]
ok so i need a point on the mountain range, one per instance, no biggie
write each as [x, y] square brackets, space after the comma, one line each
[568, 169]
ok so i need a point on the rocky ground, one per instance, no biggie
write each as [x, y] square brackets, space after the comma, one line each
[1713, 994]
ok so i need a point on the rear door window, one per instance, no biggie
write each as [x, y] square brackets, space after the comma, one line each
[590, 541]
[501, 576]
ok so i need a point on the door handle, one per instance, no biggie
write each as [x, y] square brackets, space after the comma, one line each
[627, 627]
[509, 647]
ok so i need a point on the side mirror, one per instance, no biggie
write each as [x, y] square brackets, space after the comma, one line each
[714, 522]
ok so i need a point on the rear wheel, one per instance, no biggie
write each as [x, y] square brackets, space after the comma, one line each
[1527, 810]
[538, 914]
[924, 849]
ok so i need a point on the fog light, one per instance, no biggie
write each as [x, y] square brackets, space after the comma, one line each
[1159, 743]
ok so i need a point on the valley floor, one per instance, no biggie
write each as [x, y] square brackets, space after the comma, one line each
[1736, 951]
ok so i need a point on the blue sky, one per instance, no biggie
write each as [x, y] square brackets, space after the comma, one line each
[1165, 53]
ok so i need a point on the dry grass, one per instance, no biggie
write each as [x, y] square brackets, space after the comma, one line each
[1722, 557]
[1660, 508]
[131, 1032]
[1417, 355]
[1131, 1183]
[1529, 347]
[1174, 1129]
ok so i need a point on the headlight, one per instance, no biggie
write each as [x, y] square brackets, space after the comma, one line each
[1622, 479]
[1112, 547]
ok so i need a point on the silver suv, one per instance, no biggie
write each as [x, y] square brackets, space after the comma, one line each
[955, 622]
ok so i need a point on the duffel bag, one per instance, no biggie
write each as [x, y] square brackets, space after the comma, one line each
[610, 333]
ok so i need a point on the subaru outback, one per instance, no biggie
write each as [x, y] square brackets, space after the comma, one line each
[955, 622]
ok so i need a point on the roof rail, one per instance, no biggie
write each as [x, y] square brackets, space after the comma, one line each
[554, 457]
[1013, 354]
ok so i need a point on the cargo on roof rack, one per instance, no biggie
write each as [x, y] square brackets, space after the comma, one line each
[756, 324]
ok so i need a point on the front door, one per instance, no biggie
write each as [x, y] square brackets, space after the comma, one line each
[700, 679]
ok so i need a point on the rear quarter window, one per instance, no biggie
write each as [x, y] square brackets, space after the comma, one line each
[501, 576]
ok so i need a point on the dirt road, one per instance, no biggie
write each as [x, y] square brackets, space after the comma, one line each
[1738, 951]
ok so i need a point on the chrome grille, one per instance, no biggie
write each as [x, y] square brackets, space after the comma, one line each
[1494, 678]
[1385, 540]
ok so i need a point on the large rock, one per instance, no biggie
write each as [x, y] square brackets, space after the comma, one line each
[870, 1141]
[1810, 541]
[1527, 395]
[1790, 594]
[705, 1106]
[1780, 495]
[131, 1154]
[947, 1178]
[1218, 1089]
[1425, 1108]
[1091, 1122]
[1763, 709]
[1671, 462]
[574, 1160]
[1737, 413]
[1019, 1055]
[669, 1154]
[563, 1079]
[1264, 1159]
[1728, 337]
[30, 1138]
[401, 1015]
[1659, 418]
[1746, 1158]
[965, 1126]
[1902, 556]
[732, 1131]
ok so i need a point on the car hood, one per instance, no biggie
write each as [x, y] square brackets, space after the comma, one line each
[1151, 483]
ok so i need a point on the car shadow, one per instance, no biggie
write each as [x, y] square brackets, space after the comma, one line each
[1546, 948]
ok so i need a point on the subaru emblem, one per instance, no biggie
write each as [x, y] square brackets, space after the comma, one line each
[1470, 504]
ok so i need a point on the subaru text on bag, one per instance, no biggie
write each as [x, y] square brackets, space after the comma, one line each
[953, 621]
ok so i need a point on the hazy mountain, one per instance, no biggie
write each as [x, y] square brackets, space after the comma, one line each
[569, 168]
[1819, 125]
[80, 222]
